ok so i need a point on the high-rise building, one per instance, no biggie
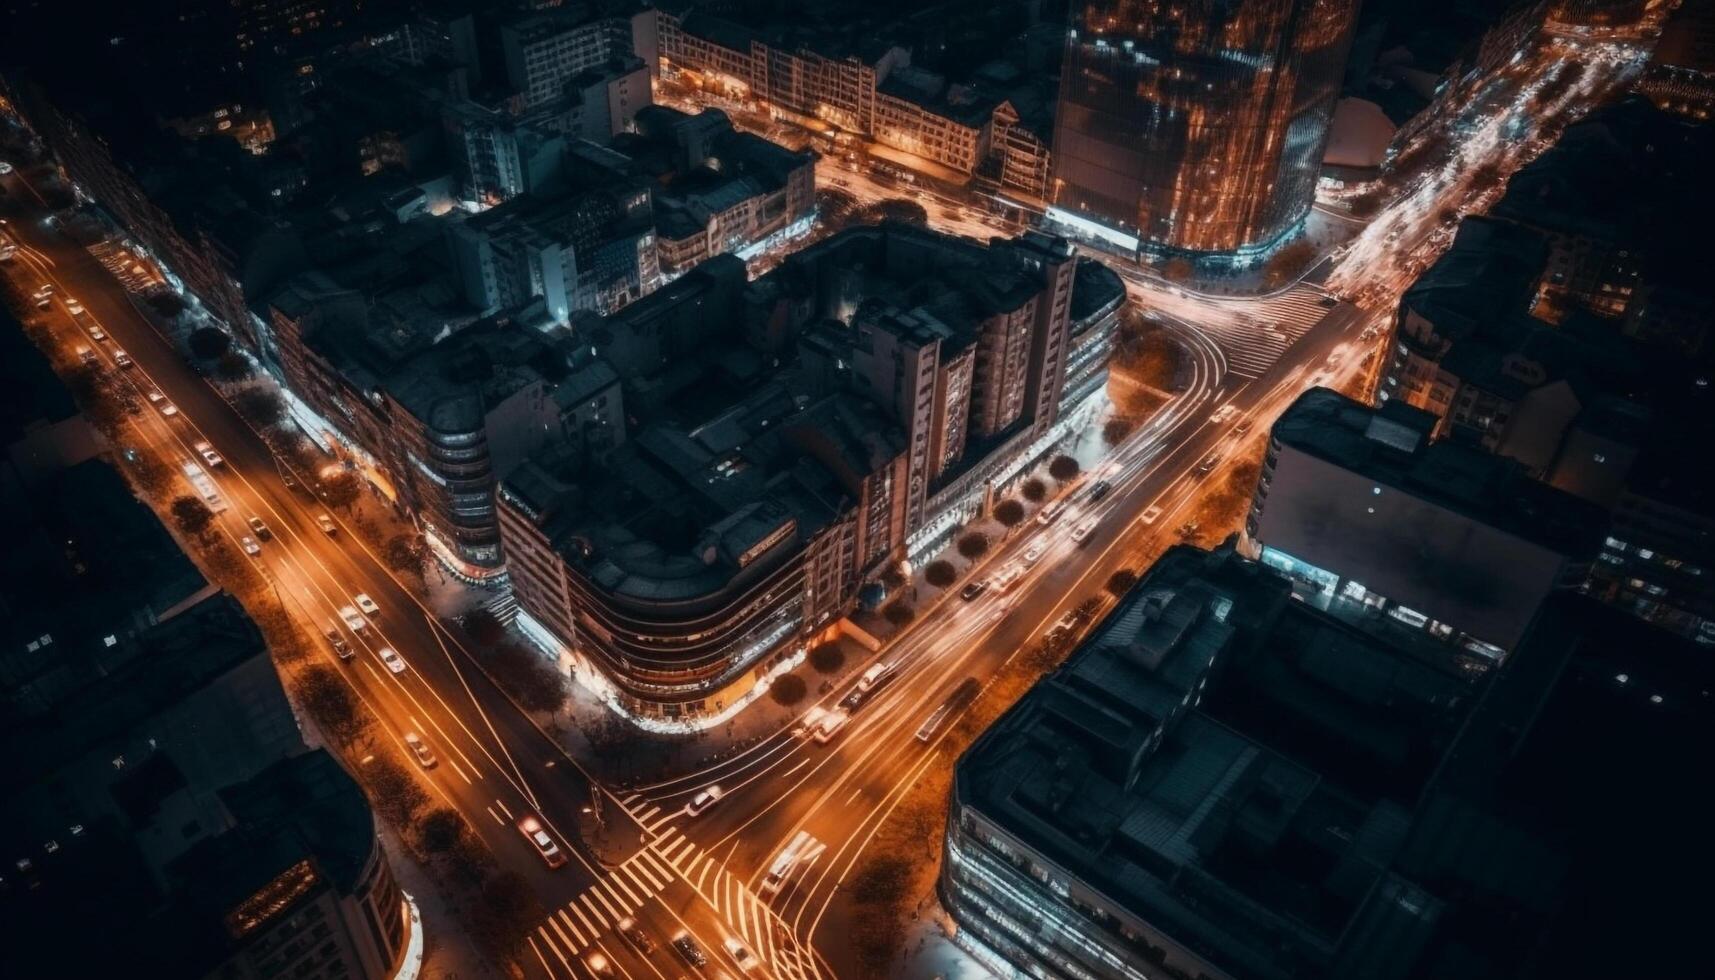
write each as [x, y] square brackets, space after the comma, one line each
[1196, 128]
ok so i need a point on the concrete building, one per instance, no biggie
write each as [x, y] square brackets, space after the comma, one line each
[435, 421]
[1346, 491]
[716, 190]
[1202, 790]
[570, 248]
[753, 492]
[867, 89]
[503, 148]
[543, 51]
[1136, 165]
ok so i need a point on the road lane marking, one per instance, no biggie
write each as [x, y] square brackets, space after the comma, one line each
[594, 910]
[615, 880]
[579, 911]
[573, 926]
[638, 866]
[538, 951]
[496, 816]
[502, 805]
[648, 813]
[556, 949]
[563, 937]
[611, 910]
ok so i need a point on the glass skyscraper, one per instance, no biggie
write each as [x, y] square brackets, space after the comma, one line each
[1196, 127]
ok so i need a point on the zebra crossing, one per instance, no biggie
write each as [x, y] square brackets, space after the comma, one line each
[669, 856]
[1252, 339]
[574, 927]
[750, 918]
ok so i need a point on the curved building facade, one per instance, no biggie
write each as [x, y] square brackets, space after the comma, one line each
[1195, 128]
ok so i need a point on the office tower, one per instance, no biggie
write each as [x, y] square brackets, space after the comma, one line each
[1196, 128]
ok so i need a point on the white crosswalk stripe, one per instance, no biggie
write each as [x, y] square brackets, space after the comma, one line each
[1253, 341]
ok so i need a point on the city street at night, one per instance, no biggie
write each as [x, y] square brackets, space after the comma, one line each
[602, 490]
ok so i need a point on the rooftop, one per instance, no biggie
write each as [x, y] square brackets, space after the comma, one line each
[1390, 446]
[172, 660]
[1253, 819]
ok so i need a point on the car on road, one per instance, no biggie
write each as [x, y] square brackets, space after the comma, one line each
[207, 452]
[1081, 533]
[261, 529]
[353, 619]
[741, 954]
[420, 749]
[323, 521]
[707, 797]
[394, 662]
[122, 359]
[1189, 528]
[167, 408]
[1151, 513]
[1243, 427]
[154, 394]
[85, 355]
[365, 603]
[341, 648]
[1035, 553]
[635, 935]
[688, 948]
[1098, 490]
[972, 590]
[250, 546]
[829, 725]
[531, 827]
[1224, 413]
[76, 309]
[598, 964]
[1049, 513]
[1208, 464]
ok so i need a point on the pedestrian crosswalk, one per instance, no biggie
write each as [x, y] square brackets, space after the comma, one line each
[1254, 338]
[670, 856]
[575, 926]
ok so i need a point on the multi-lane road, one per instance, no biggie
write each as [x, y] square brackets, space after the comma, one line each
[674, 866]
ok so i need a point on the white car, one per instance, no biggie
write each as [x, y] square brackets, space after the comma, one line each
[1083, 530]
[1036, 551]
[708, 797]
[1224, 413]
[365, 603]
[155, 396]
[250, 546]
[167, 408]
[393, 661]
[538, 836]
[122, 359]
[75, 307]
[207, 452]
[741, 954]
[326, 523]
[96, 333]
[420, 749]
[353, 619]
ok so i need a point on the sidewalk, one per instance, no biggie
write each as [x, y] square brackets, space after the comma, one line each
[931, 955]
[591, 732]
